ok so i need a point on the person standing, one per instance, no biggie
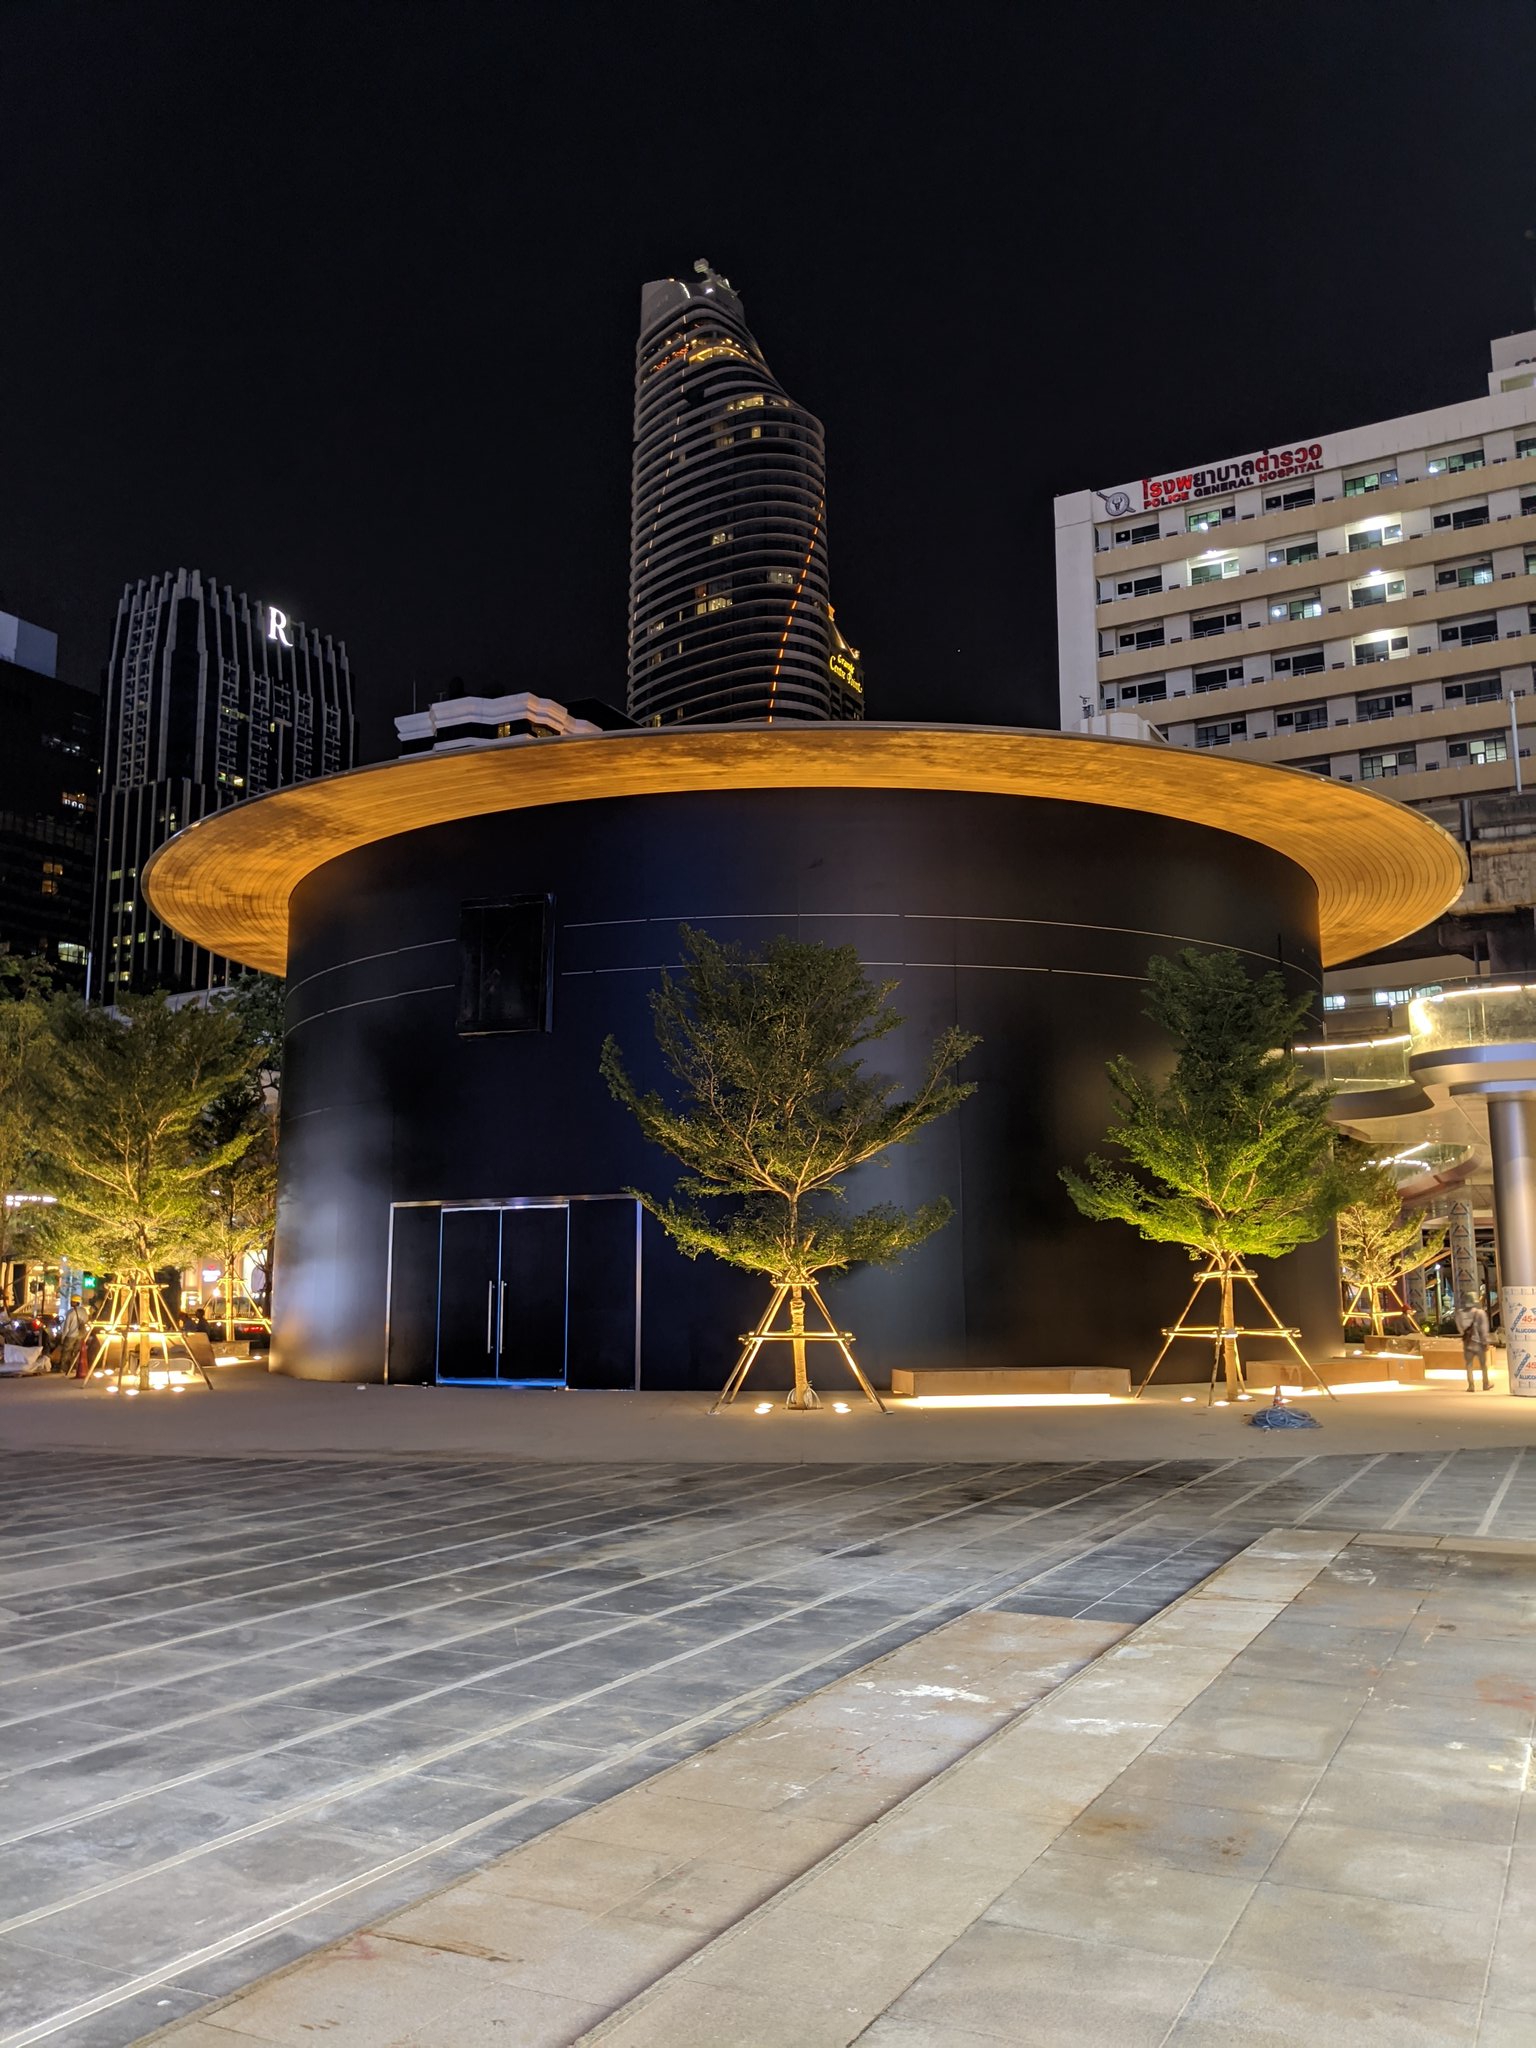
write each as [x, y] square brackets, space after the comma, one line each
[71, 1338]
[1472, 1325]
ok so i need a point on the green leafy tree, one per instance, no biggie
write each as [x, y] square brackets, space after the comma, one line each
[1379, 1245]
[1231, 1153]
[240, 1197]
[257, 1002]
[24, 1052]
[773, 1108]
[123, 1133]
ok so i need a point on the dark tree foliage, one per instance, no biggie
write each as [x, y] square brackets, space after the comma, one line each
[1231, 1155]
[774, 1107]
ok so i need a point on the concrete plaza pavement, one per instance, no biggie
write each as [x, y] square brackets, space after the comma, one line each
[1294, 1807]
[251, 1702]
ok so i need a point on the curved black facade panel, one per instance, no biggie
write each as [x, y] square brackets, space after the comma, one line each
[458, 1156]
[729, 613]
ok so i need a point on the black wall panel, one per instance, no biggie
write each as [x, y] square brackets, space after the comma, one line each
[1028, 922]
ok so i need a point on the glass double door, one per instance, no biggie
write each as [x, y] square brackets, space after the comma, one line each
[503, 1285]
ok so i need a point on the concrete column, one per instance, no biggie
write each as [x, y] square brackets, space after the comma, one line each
[1414, 1293]
[1512, 1136]
[1462, 1233]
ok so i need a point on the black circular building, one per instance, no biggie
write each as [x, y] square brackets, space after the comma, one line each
[460, 933]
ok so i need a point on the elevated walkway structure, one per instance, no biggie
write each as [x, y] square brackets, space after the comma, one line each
[1453, 1094]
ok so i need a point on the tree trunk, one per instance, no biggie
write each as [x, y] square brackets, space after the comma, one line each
[1228, 1344]
[802, 1394]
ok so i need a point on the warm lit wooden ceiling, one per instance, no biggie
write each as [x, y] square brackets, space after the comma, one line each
[1381, 869]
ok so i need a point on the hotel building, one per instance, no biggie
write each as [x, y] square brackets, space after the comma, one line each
[211, 697]
[1360, 604]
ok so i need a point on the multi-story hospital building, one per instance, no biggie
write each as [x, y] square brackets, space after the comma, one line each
[1360, 604]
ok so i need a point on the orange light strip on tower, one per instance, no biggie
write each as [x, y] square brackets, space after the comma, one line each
[789, 620]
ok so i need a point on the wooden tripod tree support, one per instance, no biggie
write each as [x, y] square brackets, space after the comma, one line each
[138, 1318]
[802, 1395]
[1377, 1311]
[1227, 1270]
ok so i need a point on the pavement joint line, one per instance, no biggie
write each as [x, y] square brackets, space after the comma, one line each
[415, 1700]
[103, 2002]
[341, 1550]
[427, 1606]
[1418, 1492]
[213, 1494]
[314, 1606]
[425, 1760]
[1504, 1485]
[1318, 1506]
[254, 1546]
[889, 1821]
[536, 1657]
[242, 1484]
[1231, 1509]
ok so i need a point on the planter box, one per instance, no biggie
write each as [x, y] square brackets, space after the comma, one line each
[1022, 1379]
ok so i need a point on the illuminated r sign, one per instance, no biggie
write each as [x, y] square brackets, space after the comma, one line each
[277, 626]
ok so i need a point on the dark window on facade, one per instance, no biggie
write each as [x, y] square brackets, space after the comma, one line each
[1220, 735]
[1481, 690]
[1289, 501]
[1214, 622]
[1218, 678]
[1471, 633]
[506, 958]
[1376, 767]
[1307, 661]
[1367, 708]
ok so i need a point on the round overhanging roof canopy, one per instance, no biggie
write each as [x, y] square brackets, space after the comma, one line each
[1381, 869]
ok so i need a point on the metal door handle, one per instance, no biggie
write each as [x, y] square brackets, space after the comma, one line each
[501, 1319]
[490, 1295]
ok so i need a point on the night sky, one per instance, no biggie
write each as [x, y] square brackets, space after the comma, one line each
[338, 302]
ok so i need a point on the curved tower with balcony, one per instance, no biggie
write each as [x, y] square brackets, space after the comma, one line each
[729, 613]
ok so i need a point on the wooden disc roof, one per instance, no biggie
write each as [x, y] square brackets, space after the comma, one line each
[1381, 869]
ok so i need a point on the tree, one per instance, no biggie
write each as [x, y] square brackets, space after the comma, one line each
[24, 1047]
[257, 1001]
[240, 1197]
[1231, 1155]
[1376, 1239]
[123, 1134]
[774, 1107]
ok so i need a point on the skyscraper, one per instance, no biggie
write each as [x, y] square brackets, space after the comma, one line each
[729, 613]
[52, 740]
[211, 698]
